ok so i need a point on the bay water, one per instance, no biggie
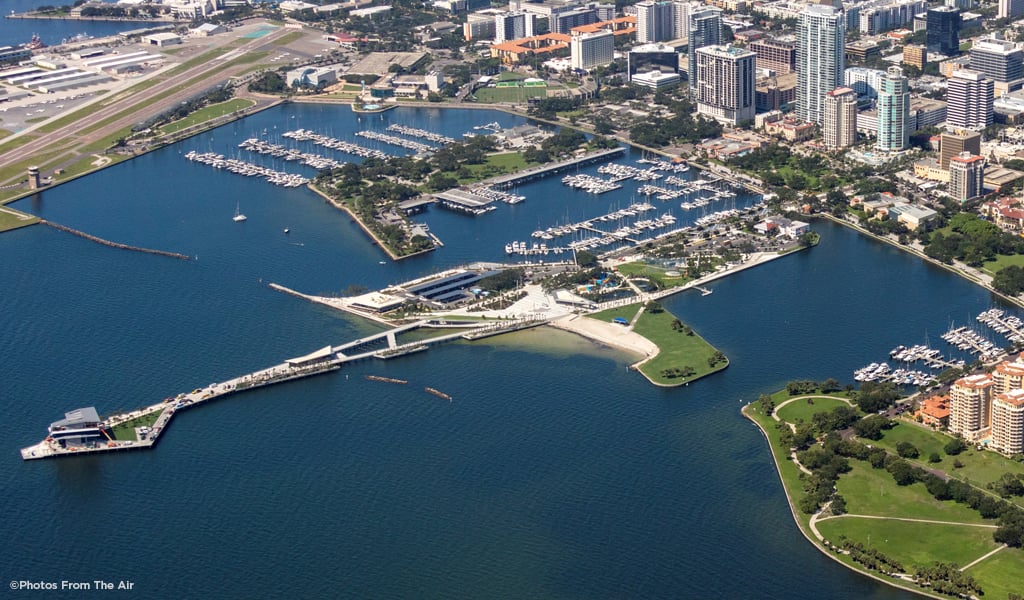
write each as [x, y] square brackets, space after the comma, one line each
[555, 472]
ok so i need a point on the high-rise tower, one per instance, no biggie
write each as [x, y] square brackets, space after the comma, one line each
[820, 58]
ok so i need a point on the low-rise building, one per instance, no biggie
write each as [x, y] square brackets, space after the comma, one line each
[790, 129]
[656, 80]
[913, 216]
[934, 411]
[782, 226]
[311, 77]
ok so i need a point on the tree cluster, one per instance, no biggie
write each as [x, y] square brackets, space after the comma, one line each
[947, 578]
[657, 132]
[972, 240]
[871, 558]
[873, 396]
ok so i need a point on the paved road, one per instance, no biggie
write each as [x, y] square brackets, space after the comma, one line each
[132, 108]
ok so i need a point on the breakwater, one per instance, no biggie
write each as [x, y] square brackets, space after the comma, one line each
[99, 240]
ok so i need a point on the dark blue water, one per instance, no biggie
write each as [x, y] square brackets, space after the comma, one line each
[53, 31]
[555, 473]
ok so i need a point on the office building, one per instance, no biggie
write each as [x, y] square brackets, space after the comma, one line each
[774, 55]
[1010, 9]
[820, 58]
[653, 21]
[969, 98]
[915, 56]
[724, 83]
[514, 26]
[564, 22]
[589, 50]
[954, 144]
[893, 112]
[966, 177]
[970, 400]
[998, 60]
[652, 57]
[943, 30]
[840, 118]
[705, 29]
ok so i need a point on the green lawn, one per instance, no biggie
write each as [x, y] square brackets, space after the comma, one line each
[496, 164]
[803, 410]
[126, 430]
[654, 273]
[511, 94]
[980, 467]
[1001, 573]
[677, 349]
[11, 219]
[913, 543]
[207, 113]
[869, 491]
[787, 469]
[873, 492]
[1002, 260]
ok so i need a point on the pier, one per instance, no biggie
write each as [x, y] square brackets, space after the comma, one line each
[529, 173]
[382, 345]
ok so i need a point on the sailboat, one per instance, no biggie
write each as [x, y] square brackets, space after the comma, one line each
[239, 217]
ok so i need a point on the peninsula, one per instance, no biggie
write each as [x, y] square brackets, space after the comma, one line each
[892, 497]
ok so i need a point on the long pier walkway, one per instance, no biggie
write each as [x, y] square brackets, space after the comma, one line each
[512, 179]
[382, 345]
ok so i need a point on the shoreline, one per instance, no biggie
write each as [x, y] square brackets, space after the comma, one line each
[376, 240]
[952, 268]
[800, 527]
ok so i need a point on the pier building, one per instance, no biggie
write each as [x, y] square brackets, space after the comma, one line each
[77, 428]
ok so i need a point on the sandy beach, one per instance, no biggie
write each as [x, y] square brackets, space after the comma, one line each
[616, 336]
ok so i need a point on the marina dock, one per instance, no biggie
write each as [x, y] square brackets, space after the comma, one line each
[530, 173]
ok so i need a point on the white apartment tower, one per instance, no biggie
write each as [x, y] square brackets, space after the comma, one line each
[820, 58]
[653, 21]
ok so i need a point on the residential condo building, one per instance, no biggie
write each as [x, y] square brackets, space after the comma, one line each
[820, 58]
[705, 29]
[893, 112]
[724, 84]
[840, 125]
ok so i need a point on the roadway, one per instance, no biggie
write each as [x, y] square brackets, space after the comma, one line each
[126, 109]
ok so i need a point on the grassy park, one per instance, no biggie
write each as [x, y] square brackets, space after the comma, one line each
[126, 430]
[207, 113]
[683, 356]
[905, 523]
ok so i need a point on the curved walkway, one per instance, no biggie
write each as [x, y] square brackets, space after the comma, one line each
[775, 412]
